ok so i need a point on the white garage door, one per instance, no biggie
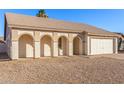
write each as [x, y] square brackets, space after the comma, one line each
[101, 46]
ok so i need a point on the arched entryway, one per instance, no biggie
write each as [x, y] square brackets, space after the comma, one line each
[62, 46]
[26, 48]
[46, 46]
[76, 46]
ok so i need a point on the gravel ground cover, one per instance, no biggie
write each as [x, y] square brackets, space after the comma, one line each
[62, 70]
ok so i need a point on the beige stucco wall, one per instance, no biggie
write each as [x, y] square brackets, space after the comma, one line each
[26, 46]
[62, 50]
[76, 46]
[115, 45]
[37, 48]
[85, 44]
[55, 44]
[14, 50]
[48, 47]
[8, 40]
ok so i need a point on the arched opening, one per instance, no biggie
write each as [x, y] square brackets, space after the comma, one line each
[26, 48]
[46, 46]
[62, 46]
[76, 45]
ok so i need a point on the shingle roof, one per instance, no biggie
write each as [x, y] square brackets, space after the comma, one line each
[32, 22]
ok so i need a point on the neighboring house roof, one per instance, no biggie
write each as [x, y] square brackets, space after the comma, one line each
[120, 35]
[47, 24]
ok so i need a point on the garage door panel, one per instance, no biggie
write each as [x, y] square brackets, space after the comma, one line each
[101, 46]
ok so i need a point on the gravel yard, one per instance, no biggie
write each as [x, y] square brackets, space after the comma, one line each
[77, 69]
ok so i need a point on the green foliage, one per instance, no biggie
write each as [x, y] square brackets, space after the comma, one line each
[41, 13]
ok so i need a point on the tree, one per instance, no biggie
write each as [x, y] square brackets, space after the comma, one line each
[41, 13]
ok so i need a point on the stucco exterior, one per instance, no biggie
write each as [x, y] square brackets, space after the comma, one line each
[35, 43]
[39, 43]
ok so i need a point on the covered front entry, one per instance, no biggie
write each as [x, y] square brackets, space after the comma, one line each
[76, 46]
[62, 46]
[101, 46]
[46, 46]
[26, 47]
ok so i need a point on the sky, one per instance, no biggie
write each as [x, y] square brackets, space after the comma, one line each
[111, 20]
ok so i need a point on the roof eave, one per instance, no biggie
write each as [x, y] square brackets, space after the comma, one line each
[43, 28]
[105, 35]
[59, 30]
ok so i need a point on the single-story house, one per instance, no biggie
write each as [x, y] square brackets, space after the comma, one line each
[30, 36]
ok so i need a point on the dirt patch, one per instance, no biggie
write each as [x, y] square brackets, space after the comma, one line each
[61, 70]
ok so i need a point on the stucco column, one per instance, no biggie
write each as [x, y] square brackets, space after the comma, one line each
[36, 44]
[115, 46]
[14, 50]
[55, 48]
[70, 44]
[87, 44]
[36, 49]
[55, 44]
[81, 47]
